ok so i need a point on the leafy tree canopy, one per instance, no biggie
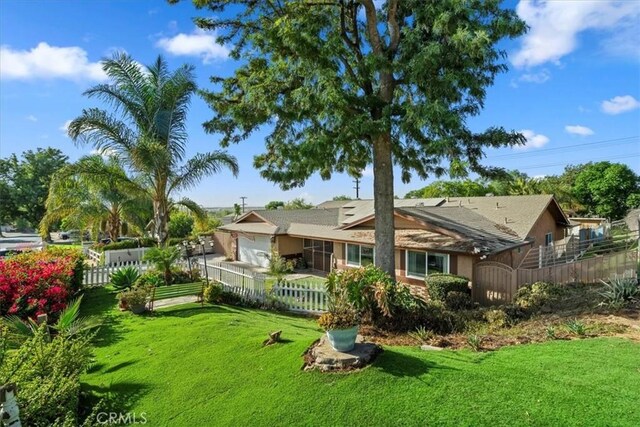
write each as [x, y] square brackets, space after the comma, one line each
[347, 83]
[297, 203]
[24, 183]
[607, 189]
[181, 224]
[342, 197]
[274, 204]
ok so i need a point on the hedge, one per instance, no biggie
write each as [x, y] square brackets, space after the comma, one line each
[440, 284]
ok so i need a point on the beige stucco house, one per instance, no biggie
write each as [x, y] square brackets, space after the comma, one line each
[432, 235]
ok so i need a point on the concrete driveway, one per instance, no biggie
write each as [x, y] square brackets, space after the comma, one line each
[20, 241]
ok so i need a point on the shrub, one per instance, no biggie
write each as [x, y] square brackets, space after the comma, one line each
[150, 279]
[180, 224]
[34, 283]
[458, 301]
[178, 275]
[134, 298]
[551, 333]
[440, 284]
[338, 320]
[124, 278]
[230, 298]
[620, 291]
[213, 293]
[279, 266]
[533, 297]
[125, 244]
[505, 316]
[47, 373]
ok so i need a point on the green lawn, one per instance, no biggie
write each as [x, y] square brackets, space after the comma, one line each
[314, 280]
[193, 366]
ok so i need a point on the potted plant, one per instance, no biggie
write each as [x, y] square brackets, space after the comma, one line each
[135, 299]
[340, 322]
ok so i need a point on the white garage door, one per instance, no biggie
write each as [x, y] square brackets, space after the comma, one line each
[254, 250]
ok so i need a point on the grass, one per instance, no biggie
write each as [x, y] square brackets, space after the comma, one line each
[313, 280]
[188, 366]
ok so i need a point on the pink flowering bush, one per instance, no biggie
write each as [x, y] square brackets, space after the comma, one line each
[37, 283]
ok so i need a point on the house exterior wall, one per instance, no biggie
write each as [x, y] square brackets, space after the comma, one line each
[223, 243]
[287, 245]
[545, 224]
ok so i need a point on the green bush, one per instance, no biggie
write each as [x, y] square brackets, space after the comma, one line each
[279, 266]
[184, 276]
[150, 278]
[135, 298]
[440, 284]
[505, 316]
[125, 244]
[180, 224]
[124, 277]
[458, 301]
[47, 371]
[535, 296]
[213, 293]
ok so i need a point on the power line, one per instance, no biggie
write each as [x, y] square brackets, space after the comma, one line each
[624, 140]
[626, 156]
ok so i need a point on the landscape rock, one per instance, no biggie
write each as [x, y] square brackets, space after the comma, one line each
[427, 347]
[323, 357]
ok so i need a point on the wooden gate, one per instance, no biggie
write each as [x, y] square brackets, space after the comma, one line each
[493, 283]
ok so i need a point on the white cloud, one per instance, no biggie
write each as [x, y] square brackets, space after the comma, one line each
[578, 130]
[555, 26]
[65, 128]
[368, 172]
[32, 118]
[619, 104]
[104, 153]
[534, 140]
[539, 77]
[307, 197]
[49, 62]
[199, 43]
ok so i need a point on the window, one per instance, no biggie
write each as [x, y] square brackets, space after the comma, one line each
[360, 255]
[421, 264]
[548, 239]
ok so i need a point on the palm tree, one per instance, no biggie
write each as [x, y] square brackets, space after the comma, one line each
[95, 192]
[147, 131]
[163, 258]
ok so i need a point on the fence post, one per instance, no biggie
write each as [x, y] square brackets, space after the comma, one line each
[9, 410]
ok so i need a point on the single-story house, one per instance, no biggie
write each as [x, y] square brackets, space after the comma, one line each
[432, 235]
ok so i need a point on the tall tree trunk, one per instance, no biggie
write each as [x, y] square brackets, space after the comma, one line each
[383, 204]
[114, 226]
[160, 221]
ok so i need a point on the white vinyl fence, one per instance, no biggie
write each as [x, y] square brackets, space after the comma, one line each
[99, 276]
[296, 296]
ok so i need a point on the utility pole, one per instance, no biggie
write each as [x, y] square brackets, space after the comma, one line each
[243, 198]
[357, 187]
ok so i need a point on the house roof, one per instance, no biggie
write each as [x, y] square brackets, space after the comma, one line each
[472, 224]
[281, 219]
[519, 213]
[357, 210]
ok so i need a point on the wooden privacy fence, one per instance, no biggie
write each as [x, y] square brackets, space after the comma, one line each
[496, 283]
[100, 276]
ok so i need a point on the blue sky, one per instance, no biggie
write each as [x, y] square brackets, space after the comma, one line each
[573, 87]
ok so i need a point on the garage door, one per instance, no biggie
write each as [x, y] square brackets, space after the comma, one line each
[254, 250]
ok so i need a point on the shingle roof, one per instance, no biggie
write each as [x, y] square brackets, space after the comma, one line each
[283, 218]
[521, 212]
[358, 209]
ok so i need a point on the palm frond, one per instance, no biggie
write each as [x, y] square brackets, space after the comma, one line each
[105, 132]
[196, 209]
[202, 165]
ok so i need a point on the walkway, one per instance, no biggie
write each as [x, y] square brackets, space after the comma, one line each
[169, 302]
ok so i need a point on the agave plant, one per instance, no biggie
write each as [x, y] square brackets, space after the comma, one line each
[620, 291]
[124, 278]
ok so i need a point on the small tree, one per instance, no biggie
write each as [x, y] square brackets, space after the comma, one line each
[297, 203]
[181, 224]
[163, 258]
[274, 204]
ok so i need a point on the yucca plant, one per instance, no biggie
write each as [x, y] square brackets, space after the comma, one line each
[475, 342]
[124, 278]
[620, 291]
[576, 328]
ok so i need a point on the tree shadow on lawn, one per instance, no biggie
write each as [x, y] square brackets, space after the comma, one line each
[405, 365]
[189, 310]
[102, 303]
[117, 397]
